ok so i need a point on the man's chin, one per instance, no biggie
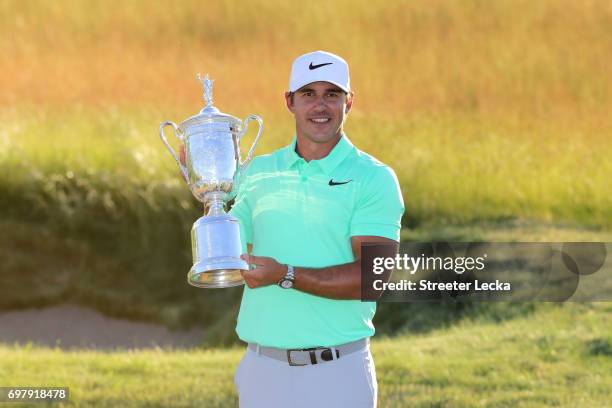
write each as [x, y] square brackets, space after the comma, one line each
[323, 136]
[322, 139]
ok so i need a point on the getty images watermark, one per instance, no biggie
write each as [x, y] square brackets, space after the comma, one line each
[548, 271]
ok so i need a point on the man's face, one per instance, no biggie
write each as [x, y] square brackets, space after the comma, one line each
[320, 109]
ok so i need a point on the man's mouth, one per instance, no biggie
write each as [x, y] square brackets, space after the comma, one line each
[320, 120]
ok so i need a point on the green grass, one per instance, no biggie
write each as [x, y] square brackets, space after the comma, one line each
[94, 211]
[493, 115]
[457, 169]
[556, 356]
[507, 231]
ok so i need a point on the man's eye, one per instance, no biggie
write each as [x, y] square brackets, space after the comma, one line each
[332, 95]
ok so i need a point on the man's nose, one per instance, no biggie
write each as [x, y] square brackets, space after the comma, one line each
[319, 107]
[320, 104]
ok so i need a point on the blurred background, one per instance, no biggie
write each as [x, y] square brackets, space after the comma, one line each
[495, 116]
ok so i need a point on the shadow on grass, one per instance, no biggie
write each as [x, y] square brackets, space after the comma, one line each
[135, 267]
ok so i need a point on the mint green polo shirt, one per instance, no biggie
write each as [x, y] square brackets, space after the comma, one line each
[288, 210]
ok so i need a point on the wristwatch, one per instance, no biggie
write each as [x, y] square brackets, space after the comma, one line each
[287, 281]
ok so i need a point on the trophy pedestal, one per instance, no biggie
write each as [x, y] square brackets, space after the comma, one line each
[216, 249]
[219, 278]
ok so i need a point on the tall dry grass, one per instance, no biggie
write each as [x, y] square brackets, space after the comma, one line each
[486, 109]
[516, 60]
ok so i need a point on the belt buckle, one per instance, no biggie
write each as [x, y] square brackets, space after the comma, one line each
[311, 352]
[327, 354]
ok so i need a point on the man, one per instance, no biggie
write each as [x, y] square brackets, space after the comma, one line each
[305, 210]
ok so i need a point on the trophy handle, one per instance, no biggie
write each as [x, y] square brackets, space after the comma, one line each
[245, 163]
[170, 149]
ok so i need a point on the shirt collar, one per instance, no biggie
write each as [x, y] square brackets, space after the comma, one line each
[327, 163]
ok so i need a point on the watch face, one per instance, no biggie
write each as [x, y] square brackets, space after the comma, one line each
[286, 284]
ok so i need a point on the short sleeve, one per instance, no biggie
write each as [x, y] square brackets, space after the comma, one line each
[379, 207]
[242, 211]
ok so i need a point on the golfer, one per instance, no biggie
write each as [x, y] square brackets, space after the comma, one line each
[304, 211]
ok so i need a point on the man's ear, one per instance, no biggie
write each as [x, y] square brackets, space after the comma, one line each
[349, 101]
[289, 101]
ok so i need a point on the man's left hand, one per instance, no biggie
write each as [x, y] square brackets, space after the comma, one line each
[267, 271]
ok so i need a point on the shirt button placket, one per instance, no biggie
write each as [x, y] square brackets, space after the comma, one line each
[303, 184]
[302, 187]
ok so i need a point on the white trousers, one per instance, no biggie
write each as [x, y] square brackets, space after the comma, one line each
[264, 382]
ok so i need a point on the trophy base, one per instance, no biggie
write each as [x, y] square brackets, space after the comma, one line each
[217, 275]
[216, 249]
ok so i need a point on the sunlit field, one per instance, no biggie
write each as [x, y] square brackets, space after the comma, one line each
[492, 114]
[486, 111]
[515, 59]
[495, 115]
[457, 169]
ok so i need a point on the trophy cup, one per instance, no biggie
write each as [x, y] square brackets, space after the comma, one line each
[213, 169]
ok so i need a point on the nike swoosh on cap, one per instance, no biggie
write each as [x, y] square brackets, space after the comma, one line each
[311, 67]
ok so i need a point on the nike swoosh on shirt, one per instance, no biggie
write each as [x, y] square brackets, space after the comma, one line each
[311, 67]
[337, 183]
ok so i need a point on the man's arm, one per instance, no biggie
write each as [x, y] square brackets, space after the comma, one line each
[335, 282]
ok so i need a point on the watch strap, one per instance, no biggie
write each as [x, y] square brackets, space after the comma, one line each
[289, 279]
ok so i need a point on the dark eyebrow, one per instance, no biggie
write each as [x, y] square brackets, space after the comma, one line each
[304, 90]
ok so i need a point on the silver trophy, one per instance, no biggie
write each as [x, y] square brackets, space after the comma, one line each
[213, 168]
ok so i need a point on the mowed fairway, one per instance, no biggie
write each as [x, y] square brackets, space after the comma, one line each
[559, 356]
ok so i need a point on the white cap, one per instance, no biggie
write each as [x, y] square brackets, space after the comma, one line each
[319, 66]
